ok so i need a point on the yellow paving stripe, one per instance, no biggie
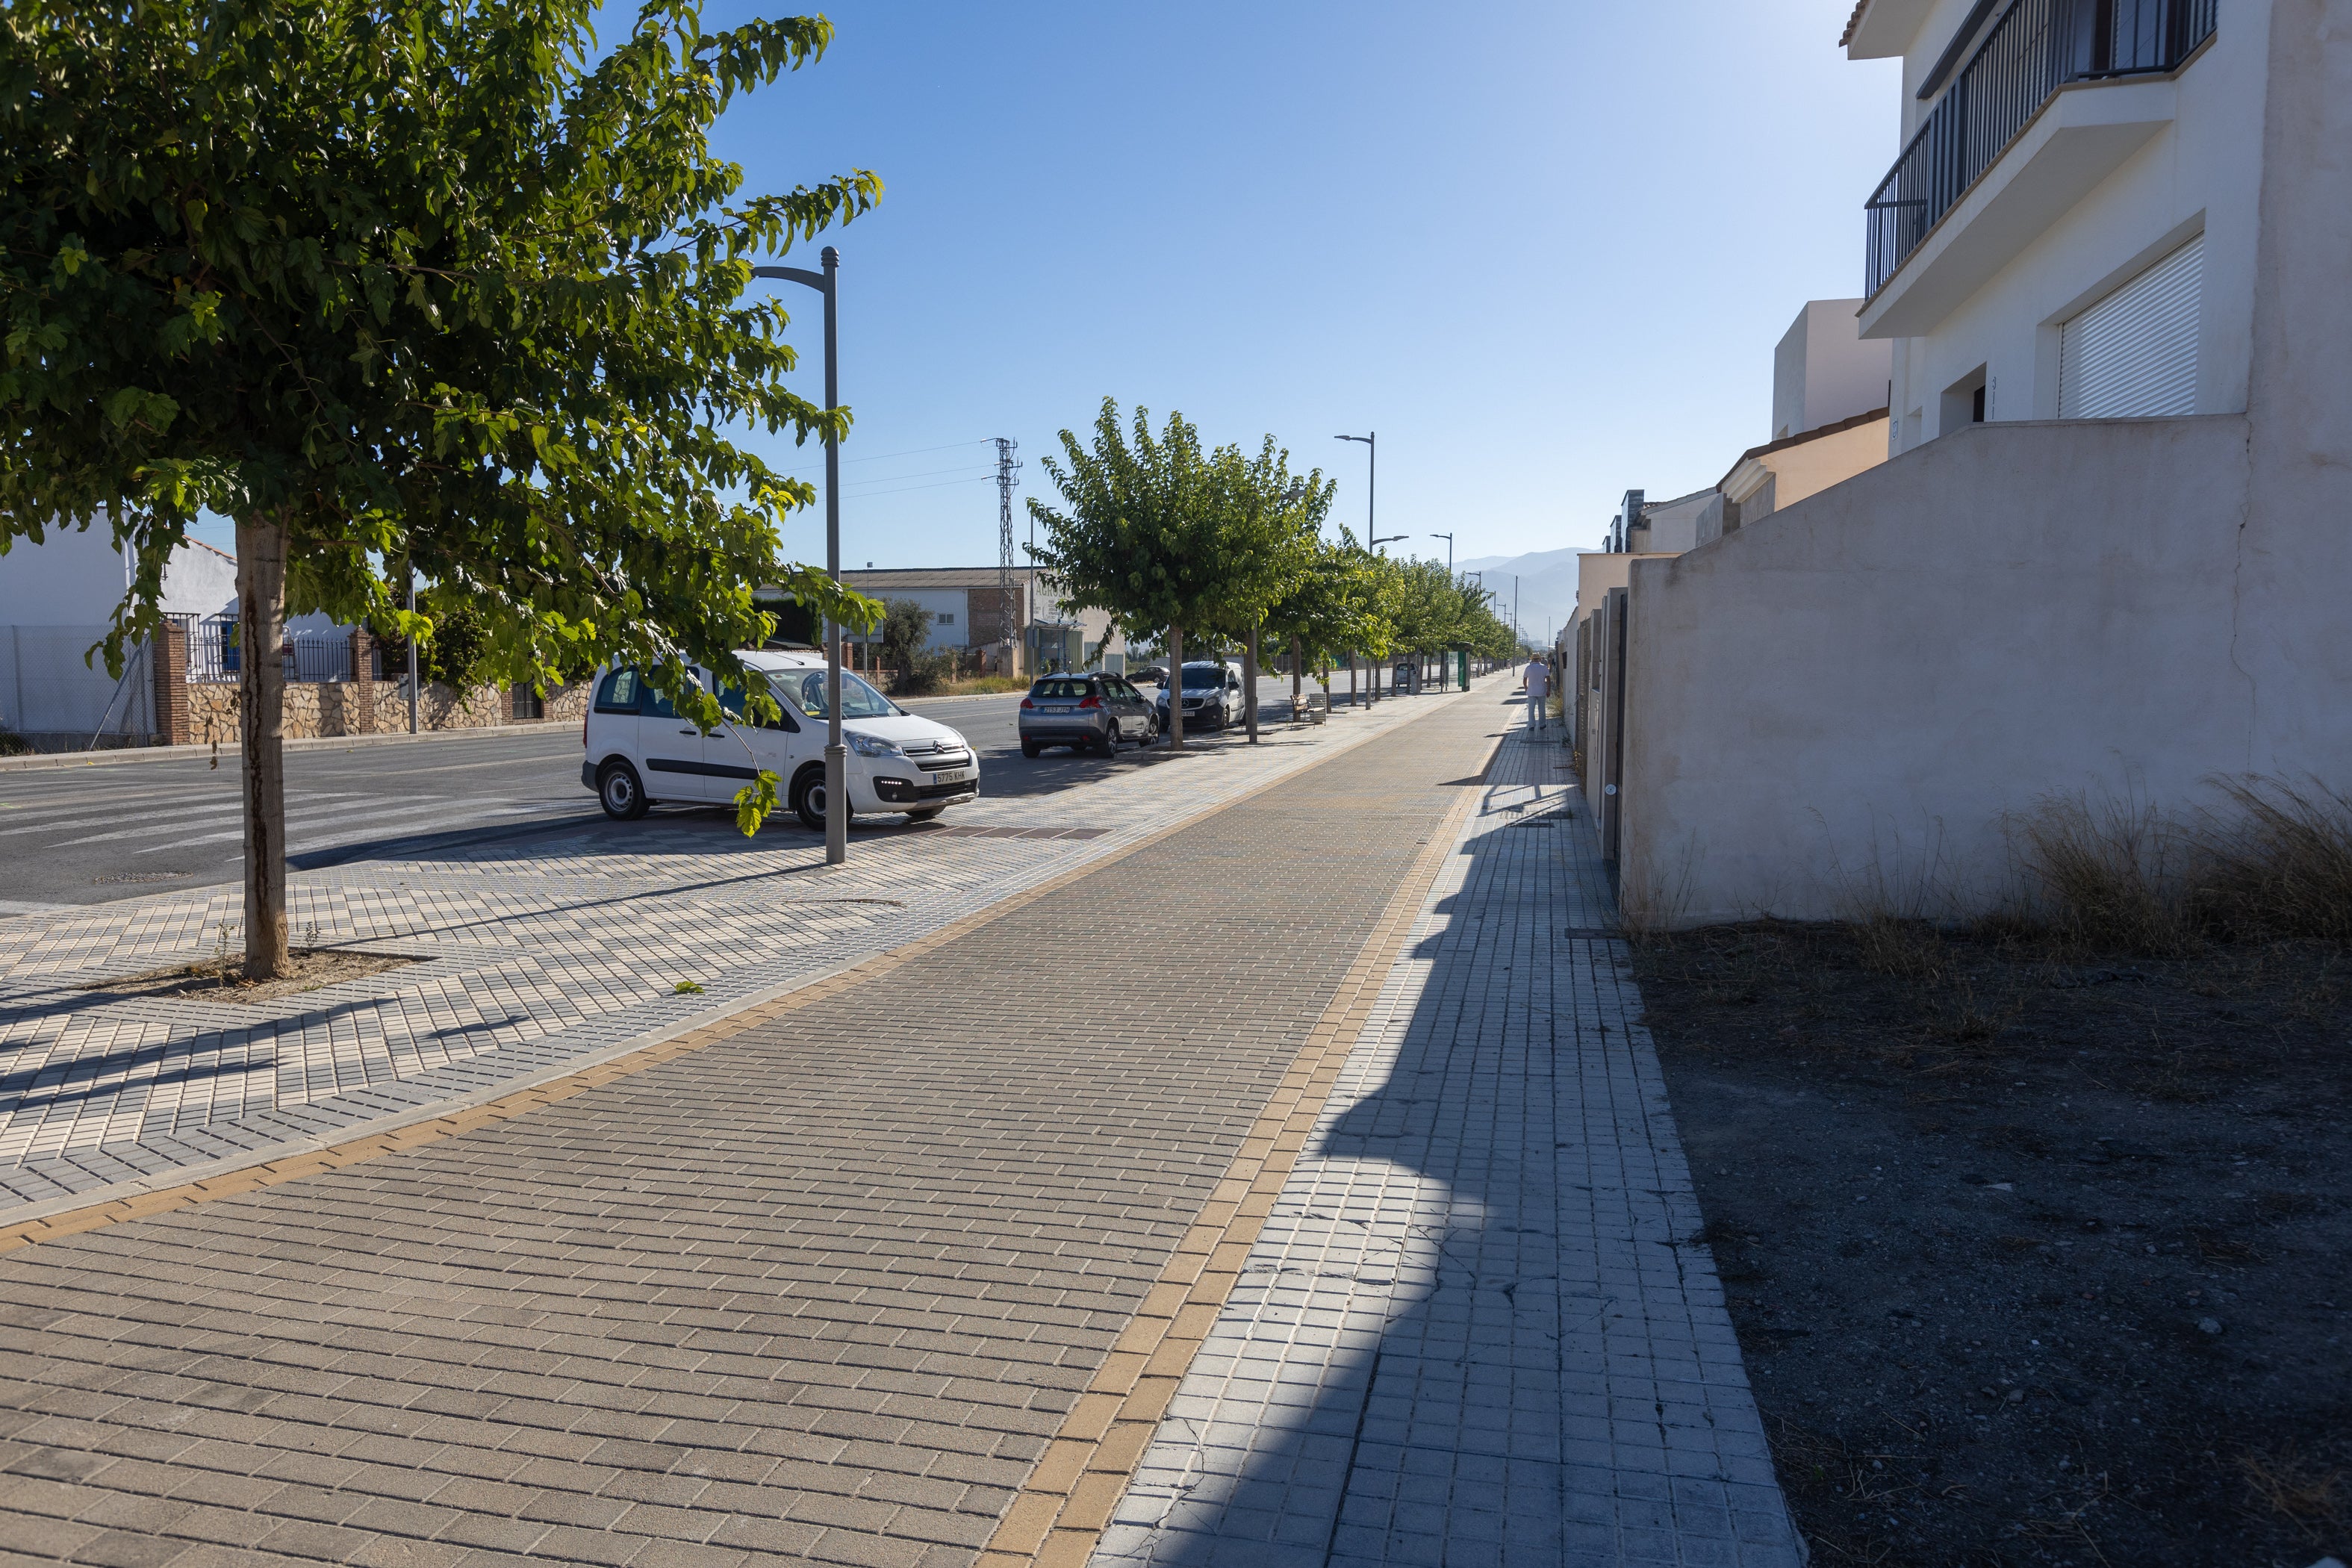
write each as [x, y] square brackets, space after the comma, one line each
[1060, 1513]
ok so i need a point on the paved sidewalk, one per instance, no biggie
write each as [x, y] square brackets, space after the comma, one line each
[1478, 1327]
[819, 1292]
[836, 1288]
[533, 956]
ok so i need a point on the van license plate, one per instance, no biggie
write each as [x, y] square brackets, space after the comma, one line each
[954, 775]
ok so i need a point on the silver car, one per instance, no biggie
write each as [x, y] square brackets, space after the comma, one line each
[1084, 713]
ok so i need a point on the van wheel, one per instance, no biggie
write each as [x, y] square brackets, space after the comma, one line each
[925, 814]
[808, 796]
[621, 792]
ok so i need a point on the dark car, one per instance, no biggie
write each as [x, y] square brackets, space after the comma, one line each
[1151, 675]
[1084, 713]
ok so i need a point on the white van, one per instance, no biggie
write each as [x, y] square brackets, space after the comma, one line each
[641, 753]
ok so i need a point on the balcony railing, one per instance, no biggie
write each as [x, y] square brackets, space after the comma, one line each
[2036, 48]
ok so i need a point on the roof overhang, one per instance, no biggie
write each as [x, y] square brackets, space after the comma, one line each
[1882, 29]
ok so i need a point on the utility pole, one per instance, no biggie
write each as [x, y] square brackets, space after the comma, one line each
[1007, 470]
[412, 647]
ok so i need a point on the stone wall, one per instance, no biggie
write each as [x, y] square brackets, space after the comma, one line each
[329, 708]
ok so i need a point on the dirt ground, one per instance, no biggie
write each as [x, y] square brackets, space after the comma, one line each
[218, 980]
[2035, 1259]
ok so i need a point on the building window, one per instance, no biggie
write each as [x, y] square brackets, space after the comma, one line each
[2133, 355]
[944, 618]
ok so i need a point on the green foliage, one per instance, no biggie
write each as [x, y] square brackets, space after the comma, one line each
[754, 803]
[905, 628]
[411, 278]
[1161, 535]
[1137, 532]
[458, 653]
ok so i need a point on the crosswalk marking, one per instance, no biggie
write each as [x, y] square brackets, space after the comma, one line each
[292, 817]
[169, 819]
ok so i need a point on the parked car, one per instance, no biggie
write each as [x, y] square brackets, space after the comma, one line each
[1151, 675]
[1213, 694]
[640, 753]
[1084, 713]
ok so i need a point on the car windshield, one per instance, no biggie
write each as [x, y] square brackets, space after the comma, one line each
[804, 690]
[1065, 690]
[1198, 676]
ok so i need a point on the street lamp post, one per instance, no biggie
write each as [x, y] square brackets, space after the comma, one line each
[836, 754]
[1372, 526]
[1377, 540]
[1449, 578]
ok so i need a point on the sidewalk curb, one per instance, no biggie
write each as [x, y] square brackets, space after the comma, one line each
[195, 753]
[30, 1223]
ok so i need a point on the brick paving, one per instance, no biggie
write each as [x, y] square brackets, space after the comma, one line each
[532, 955]
[1477, 1326]
[819, 1292]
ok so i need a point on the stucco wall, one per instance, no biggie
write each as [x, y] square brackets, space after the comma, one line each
[1835, 708]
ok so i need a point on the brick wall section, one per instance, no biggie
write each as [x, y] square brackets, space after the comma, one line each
[821, 1292]
[169, 652]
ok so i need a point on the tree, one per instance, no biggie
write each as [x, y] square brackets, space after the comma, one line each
[906, 630]
[1269, 527]
[1328, 609]
[1137, 533]
[386, 280]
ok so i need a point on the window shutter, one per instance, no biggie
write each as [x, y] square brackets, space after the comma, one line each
[2134, 354]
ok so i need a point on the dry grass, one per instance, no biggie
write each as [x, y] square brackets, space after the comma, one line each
[2274, 863]
[2311, 1498]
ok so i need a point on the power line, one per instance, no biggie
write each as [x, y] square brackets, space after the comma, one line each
[924, 474]
[936, 484]
[886, 456]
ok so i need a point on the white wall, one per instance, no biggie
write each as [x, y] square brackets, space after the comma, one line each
[2199, 173]
[1853, 691]
[68, 579]
[78, 578]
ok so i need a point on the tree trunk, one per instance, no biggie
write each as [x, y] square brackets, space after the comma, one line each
[1297, 674]
[1176, 689]
[261, 699]
[1249, 683]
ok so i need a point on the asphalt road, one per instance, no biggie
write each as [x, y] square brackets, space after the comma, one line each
[74, 834]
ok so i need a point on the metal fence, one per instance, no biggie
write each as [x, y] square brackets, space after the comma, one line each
[214, 653]
[51, 688]
[2036, 48]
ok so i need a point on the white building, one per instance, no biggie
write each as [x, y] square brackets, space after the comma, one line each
[57, 599]
[1824, 371]
[2110, 552]
[2071, 228]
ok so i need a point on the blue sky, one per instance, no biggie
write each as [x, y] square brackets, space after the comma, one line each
[1544, 250]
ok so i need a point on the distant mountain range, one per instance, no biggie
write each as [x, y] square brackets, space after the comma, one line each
[1546, 585]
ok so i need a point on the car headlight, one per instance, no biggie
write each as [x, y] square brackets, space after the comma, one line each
[870, 745]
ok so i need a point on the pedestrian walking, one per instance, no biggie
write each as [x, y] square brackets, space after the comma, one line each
[1537, 681]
